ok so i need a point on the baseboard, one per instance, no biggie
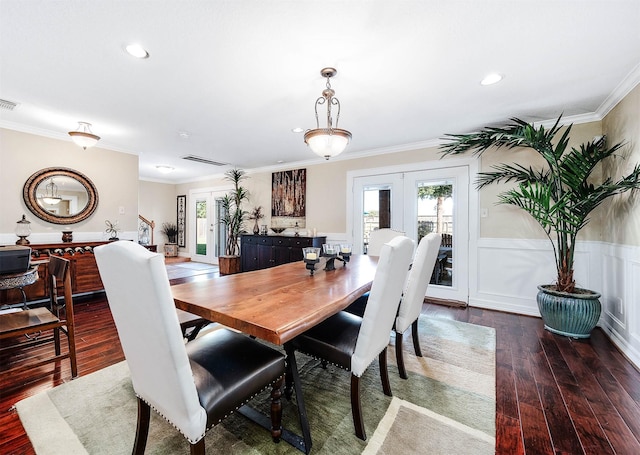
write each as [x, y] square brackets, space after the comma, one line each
[446, 302]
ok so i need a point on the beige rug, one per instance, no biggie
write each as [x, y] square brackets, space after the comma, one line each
[447, 406]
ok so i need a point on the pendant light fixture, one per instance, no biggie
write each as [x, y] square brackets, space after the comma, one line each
[50, 195]
[83, 136]
[329, 141]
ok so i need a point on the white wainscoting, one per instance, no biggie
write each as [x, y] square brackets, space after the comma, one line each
[508, 272]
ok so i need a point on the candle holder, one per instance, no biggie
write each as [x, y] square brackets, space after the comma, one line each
[345, 253]
[311, 256]
[331, 253]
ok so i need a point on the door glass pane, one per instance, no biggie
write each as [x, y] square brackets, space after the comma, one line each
[221, 232]
[201, 226]
[435, 214]
[377, 211]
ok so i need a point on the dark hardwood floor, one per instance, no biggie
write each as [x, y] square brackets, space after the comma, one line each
[554, 394]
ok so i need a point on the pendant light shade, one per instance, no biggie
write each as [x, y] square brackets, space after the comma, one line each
[327, 142]
[83, 136]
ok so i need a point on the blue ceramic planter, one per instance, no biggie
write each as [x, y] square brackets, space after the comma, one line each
[569, 314]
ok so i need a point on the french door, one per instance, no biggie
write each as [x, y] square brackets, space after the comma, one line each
[207, 232]
[416, 203]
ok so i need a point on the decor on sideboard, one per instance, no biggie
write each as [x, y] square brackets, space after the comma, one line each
[83, 136]
[330, 141]
[311, 256]
[233, 218]
[112, 229]
[67, 236]
[560, 196]
[256, 215]
[23, 230]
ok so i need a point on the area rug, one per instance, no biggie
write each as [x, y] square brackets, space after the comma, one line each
[188, 268]
[446, 406]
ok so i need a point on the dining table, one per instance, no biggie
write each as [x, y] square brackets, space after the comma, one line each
[276, 304]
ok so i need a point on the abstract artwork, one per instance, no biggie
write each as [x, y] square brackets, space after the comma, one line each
[182, 218]
[288, 198]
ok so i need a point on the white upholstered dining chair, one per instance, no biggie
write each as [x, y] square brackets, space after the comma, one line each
[379, 237]
[353, 342]
[195, 385]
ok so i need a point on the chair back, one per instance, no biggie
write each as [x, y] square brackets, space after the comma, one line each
[382, 306]
[59, 272]
[378, 238]
[137, 287]
[417, 281]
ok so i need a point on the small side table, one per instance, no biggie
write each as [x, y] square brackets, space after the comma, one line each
[19, 281]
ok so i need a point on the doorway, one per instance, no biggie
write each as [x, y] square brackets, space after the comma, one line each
[208, 235]
[417, 202]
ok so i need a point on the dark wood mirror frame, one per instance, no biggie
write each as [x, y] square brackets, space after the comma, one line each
[29, 193]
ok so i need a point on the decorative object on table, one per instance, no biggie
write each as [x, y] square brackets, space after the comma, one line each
[264, 230]
[170, 230]
[296, 230]
[278, 230]
[288, 198]
[112, 229]
[67, 236]
[327, 142]
[256, 215]
[83, 136]
[560, 198]
[233, 218]
[23, 230]
[345, 252]
[311, 256]
[145, 231]
[330, 251]
[181, 205]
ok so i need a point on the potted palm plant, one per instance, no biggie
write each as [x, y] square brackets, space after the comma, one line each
[233, 219]
[560, 197]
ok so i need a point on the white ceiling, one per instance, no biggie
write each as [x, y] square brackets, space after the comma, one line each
[237, 76]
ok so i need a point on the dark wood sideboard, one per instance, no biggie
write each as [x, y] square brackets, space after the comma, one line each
[264, 251]
[84, 270]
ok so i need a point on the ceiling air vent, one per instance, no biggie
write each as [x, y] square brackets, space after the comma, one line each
[199, 159]
[8, 105]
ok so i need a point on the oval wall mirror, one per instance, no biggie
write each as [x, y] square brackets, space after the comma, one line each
[60, 195]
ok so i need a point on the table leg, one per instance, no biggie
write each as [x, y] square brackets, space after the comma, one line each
[292, 370]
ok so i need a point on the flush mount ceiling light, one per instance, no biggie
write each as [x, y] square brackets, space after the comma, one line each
[83, 136]
[329, 141]
[492, 78]
[165, 169]
[137, 51]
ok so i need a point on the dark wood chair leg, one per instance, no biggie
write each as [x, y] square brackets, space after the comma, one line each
[400, 356]
[356, 408]
[142, 430]
[416, 338]
[276, 410]
[198, 448]
[384, 373]
[56, 340]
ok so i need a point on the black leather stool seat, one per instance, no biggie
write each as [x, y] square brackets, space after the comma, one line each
[333, 340]
[230, 368]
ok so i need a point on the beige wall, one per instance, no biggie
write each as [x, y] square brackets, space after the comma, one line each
[115, 176]
[621, 215]
[157, 202]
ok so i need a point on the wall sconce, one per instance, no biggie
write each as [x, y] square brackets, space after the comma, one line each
[23, 230]
[329, 141]
[83, 136]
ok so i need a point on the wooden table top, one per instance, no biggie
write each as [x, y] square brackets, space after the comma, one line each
[278, 303]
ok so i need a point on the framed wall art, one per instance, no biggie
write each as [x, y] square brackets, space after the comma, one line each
[182, 219]
[288, 198]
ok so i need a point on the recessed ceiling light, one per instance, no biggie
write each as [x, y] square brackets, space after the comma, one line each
[137, 51]
[492, 78]
[183, 134]
[165, 169]
[297, 130]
